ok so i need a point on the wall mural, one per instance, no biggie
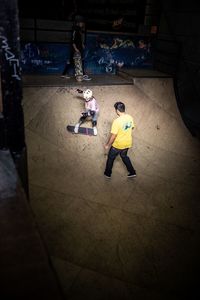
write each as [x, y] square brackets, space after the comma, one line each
[43, 58]
[104, 53]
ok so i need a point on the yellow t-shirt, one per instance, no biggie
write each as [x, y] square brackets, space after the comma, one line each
[122, 127]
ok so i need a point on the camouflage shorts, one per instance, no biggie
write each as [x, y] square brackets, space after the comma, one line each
[78, 65]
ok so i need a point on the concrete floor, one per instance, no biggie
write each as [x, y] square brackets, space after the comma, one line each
[118, 239]
[25, 270]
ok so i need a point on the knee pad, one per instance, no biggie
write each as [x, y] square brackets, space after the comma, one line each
[94, 123]
[82, 119]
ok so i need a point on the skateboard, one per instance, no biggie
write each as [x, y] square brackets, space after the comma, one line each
[81, 130]
[78, 67]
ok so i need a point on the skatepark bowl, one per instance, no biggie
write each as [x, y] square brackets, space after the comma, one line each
[120, 238]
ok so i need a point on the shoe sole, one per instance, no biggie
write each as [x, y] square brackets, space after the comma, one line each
[132, 176]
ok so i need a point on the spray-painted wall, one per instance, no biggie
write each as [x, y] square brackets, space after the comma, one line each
[104, 53]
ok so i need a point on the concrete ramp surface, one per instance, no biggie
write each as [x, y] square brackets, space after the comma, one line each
[124, 238]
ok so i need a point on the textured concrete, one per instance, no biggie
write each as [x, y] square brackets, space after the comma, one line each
[141, 73]
[56, 80]
[123, 77]
[25, 272]
[117, 239]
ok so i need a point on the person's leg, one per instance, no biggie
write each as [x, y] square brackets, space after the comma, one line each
[112, 154]
[78, 67]
[81, 121]
[94, 123]
[85, 76]
[126, 160]
[65, 72]
[83, 62]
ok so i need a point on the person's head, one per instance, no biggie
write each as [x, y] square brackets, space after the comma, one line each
[80, 24]
[141, 44]
[119, 107]
[79, 21]
[87, 95]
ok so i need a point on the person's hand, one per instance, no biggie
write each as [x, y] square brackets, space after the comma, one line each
[85, 114]
[106, 146]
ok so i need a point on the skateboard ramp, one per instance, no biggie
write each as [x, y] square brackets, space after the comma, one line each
[122, 238]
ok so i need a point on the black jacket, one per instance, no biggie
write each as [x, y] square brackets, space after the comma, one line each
[77, 38]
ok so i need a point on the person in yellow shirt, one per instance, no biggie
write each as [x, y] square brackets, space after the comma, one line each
[120, 141]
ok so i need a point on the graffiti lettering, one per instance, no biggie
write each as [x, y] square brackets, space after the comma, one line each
[37, 62]
[10, 57]
[15, 65]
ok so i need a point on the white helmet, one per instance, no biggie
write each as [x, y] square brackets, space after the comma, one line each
[87, 94]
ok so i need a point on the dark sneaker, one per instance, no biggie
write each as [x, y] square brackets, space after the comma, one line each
[107, 176]
[131, 175]
[86, 77]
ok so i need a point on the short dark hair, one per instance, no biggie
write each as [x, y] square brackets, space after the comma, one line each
[119, 106]
[79, 18]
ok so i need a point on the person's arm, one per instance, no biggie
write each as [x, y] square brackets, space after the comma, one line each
[133, 125]
[75, 48]
[110, 141]
[74, 37]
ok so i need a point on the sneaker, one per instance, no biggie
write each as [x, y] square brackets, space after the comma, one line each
[107, 176]
[95, 130]
[86, 77]
[131, 175]
[76, 128]
[65, 76]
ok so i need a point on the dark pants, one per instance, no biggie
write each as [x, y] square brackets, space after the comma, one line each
[66, 69]
[112, 154]
[93, 119]
[68, 66]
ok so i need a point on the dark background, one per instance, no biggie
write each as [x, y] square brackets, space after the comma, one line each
[99, 14]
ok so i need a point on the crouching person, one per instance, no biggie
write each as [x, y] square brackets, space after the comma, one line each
[91, 111]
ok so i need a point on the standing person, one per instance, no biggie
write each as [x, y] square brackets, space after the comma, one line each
[91, 111]
[120, 140]
[77, 50]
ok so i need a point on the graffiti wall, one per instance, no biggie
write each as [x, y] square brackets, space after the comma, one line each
[104, 53]
[43, 57]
